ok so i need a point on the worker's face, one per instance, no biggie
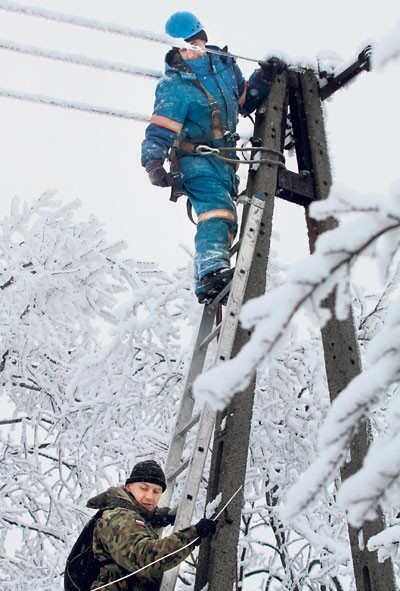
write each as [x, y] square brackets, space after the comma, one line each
[194, 54]
[146, 494]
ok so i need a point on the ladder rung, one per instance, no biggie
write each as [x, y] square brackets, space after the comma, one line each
[175, 473]
[205, 342]
[189, 425]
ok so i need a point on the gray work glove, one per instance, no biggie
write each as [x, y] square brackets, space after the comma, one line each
[163, 517]
[272, 68]
[206, 527]
[158, 175]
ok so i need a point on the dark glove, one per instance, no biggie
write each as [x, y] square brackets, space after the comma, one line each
[206, 527]
[271, 68]
[158, 175]
[163, 517]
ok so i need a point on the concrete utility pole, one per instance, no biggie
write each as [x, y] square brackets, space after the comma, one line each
[341, 351]
[299, 93]
[217, 558]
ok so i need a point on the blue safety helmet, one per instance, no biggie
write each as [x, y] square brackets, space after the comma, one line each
[183, 25]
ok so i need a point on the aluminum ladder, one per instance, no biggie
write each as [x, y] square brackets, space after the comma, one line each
[186, 419]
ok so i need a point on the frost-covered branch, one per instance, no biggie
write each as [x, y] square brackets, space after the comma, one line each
[83, 403]
[387, 543]
[308, 283]
[342, 421]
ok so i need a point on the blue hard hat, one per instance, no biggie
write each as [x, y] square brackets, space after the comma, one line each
[183, 25]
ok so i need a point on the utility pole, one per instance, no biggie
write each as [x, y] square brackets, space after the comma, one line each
[217, 557]
[341, 351]
[299, 94]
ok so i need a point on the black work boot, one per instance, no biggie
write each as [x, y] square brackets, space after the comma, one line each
[213, 283]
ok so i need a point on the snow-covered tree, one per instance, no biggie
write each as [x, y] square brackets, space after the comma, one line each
[290, 405]
[80, 406]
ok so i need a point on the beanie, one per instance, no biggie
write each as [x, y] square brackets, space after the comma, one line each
[148, 471]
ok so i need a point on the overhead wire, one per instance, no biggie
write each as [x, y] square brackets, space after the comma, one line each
[76, 60]
[108, 27]
[83, 61]
[85, 22]
[79, 59]
[67, 104]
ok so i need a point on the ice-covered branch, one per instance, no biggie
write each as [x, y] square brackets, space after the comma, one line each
[308, 282]
[360, 493]
[37, 528]
[387, 543]
[77, 396]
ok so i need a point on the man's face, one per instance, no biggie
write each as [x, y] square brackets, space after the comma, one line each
[194, 54]
[146, 494]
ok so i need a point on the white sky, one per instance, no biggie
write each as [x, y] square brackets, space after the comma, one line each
[97, 158]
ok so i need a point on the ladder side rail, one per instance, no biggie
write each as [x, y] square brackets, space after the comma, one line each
[341, 350]
[185, 411]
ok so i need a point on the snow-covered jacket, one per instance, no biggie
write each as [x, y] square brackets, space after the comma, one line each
[182, 109]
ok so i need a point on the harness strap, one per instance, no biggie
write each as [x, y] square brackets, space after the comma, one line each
[189, 210]
[175, 168]
[217, 128]
[184, 145]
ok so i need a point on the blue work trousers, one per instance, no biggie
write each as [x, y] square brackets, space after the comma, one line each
[210, 185]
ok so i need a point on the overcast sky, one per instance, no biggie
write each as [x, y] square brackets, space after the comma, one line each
[96, 159]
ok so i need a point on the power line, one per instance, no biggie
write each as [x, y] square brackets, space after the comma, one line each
[79, 59]
[76, 59]
[107, 27]
[66, 104]
[88, 23]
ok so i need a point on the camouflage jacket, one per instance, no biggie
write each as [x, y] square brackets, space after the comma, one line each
[125, 539]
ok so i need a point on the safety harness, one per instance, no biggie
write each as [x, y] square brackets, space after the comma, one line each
[219, 132]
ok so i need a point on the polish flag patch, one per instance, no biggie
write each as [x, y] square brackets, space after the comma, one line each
[140, 522]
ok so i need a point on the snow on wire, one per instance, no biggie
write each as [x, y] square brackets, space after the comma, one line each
[88, 23]
[106, 27]
[47, 100]
[79, 59]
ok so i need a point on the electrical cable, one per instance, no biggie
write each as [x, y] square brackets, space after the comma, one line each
[108, 27]
[79, 59]
[85, 22]
[47, 100]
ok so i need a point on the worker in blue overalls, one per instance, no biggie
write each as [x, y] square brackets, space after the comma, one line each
[197, 102]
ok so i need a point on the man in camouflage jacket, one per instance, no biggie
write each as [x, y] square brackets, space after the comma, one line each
[124, 538]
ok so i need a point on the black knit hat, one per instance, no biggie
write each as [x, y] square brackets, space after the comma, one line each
[148, 471]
